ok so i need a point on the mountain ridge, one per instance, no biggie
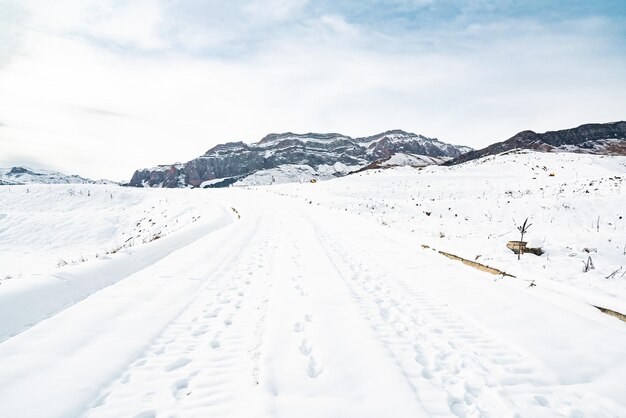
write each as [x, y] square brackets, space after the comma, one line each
[591, 138]
[319, 151]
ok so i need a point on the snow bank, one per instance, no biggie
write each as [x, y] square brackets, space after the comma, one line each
[62, 243]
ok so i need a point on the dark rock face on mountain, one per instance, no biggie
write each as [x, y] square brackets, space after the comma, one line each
[594, 138]
[383, 146]
[237, 159]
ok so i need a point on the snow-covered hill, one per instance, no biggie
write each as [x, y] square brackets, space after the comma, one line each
[288, 173]
[26, 175]
[401, 159]
[592, 138]
[49, 226]
[277, 155]
[575, 203]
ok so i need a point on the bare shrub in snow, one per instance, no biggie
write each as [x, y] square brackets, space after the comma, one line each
[610, 276]
[523, 229]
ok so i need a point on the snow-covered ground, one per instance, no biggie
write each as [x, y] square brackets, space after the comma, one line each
[318, 300]
[575, 203]
[46, 226]
[61, 243]
[290, 173]
[411, 160]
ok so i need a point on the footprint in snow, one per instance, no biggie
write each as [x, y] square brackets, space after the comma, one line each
[314, 369]
[305, 347]
[298, 327]
[200, 331]
[180, 388]
[457, 407]
[212, 314]
[146, 414]
[181, 362]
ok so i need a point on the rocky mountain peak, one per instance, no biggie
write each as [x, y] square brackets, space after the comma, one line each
[320, 152]
[228, 147]
[308, 137]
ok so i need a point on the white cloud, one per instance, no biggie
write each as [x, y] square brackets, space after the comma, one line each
[274, 10]
[339, 26]
[133, 23]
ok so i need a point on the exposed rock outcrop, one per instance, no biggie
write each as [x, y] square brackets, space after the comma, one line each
[235, 160]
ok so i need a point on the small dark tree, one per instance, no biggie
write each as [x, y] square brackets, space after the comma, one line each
[523, 229]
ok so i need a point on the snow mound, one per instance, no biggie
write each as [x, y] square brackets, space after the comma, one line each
[411, 160]
[292, 173]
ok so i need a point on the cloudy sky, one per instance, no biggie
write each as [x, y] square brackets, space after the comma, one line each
[101, 87]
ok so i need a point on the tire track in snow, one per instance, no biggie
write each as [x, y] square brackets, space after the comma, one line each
[448, 360]
[321, 357]
[206, 360]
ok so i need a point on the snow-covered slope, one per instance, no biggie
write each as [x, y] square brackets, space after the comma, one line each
[73, 223]
[592, 138]
[411, 160]
[25, 175]
[295, 174]
[326, 299]
[574, 201]
[61, 243]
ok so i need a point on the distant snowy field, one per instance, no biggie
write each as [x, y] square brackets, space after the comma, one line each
[573, 201]
[319, 299]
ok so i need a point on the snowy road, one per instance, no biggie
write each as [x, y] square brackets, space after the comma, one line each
[299, 311]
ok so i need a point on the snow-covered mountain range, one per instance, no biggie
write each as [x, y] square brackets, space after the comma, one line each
[26, 175]
[592, 138]
[292, 157]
